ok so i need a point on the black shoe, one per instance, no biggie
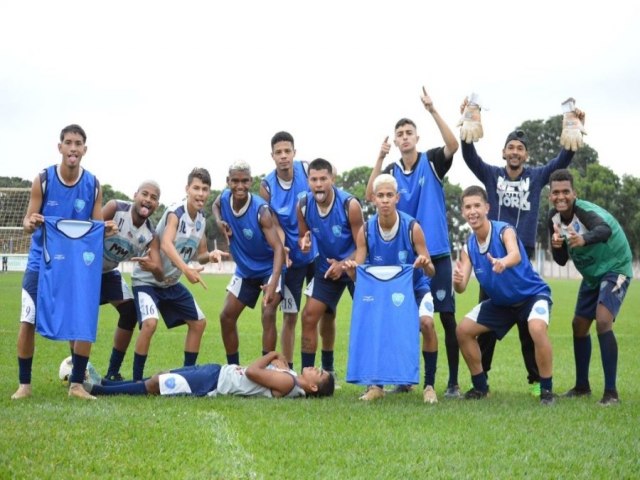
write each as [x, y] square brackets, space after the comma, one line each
[475, 394]
[610, 397]
[114, 377]
[578, 392]
[547, 397]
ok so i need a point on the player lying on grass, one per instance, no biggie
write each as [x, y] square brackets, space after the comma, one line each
[269, 376]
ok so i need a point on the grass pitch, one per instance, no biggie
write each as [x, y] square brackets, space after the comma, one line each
[508, 435]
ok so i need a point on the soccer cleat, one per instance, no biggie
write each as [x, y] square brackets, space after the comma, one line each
[335, 379]
[402, 389]
[429, 395]
[535, 389]
[578, 392]
[77, 390]
[24, 391]
[609, 398]
[114, 377]
[453, 391]
[475, 394]
[373, 392]
[547, 397]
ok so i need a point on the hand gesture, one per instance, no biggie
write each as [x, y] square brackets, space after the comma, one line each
[574, 239]
[335, 271]
[426, 101]
[110, 228]
[144, 261]
[458, 274]
[305, 242]
[557, 239]
[425, 264]
[268, 293]
[498, 263]
[385, 148]
[225, 229]
[216, 256]
[193, 275]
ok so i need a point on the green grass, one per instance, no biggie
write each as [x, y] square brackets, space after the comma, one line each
[506, 436]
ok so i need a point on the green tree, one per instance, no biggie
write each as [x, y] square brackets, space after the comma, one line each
[629, 212]
[355, 182]
[14, 182]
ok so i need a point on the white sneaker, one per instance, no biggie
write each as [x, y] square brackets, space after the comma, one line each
[429, 395]
[373, 392]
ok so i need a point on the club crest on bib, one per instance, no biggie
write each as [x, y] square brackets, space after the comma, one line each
[440, 294]
[88, 257]
[337, 230]
[397, 299]
[402, 256]
[248, 233]
[198, 225]
[79, 204]
[170, 383]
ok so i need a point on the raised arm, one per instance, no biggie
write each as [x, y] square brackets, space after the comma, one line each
[450, 142]
[377, 168]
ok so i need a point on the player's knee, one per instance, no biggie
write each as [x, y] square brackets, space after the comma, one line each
[197, 326]
[537, 330]
[149, 326]
[128, 316]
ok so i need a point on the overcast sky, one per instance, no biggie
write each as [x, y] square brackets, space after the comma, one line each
[162, 87]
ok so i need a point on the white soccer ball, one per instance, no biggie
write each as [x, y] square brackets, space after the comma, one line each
[64, 372]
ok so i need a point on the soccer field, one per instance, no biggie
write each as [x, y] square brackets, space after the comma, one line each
[508, 435]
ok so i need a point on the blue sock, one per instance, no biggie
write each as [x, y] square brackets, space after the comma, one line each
[138, 366]
[546, 383]
[582, 356]
[115, 362]
[480, 382]
[233, 358]
[79, 367]
[190, 358]
[121, 388]
[327, 360]
[609, 355]
[24, 370]
[430, 365]
[308, 359]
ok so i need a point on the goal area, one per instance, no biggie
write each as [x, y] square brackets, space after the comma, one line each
[14, 242]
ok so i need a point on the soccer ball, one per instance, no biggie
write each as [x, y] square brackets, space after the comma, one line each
[64, 372]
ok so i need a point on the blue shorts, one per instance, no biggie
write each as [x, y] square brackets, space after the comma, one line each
[114, 288]
[329, 291]
[29, 297]
[500, 319]
[248, 290]
[294, 279]
[610, 293]
[196, 380]
[442, 286]
[175, 303]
